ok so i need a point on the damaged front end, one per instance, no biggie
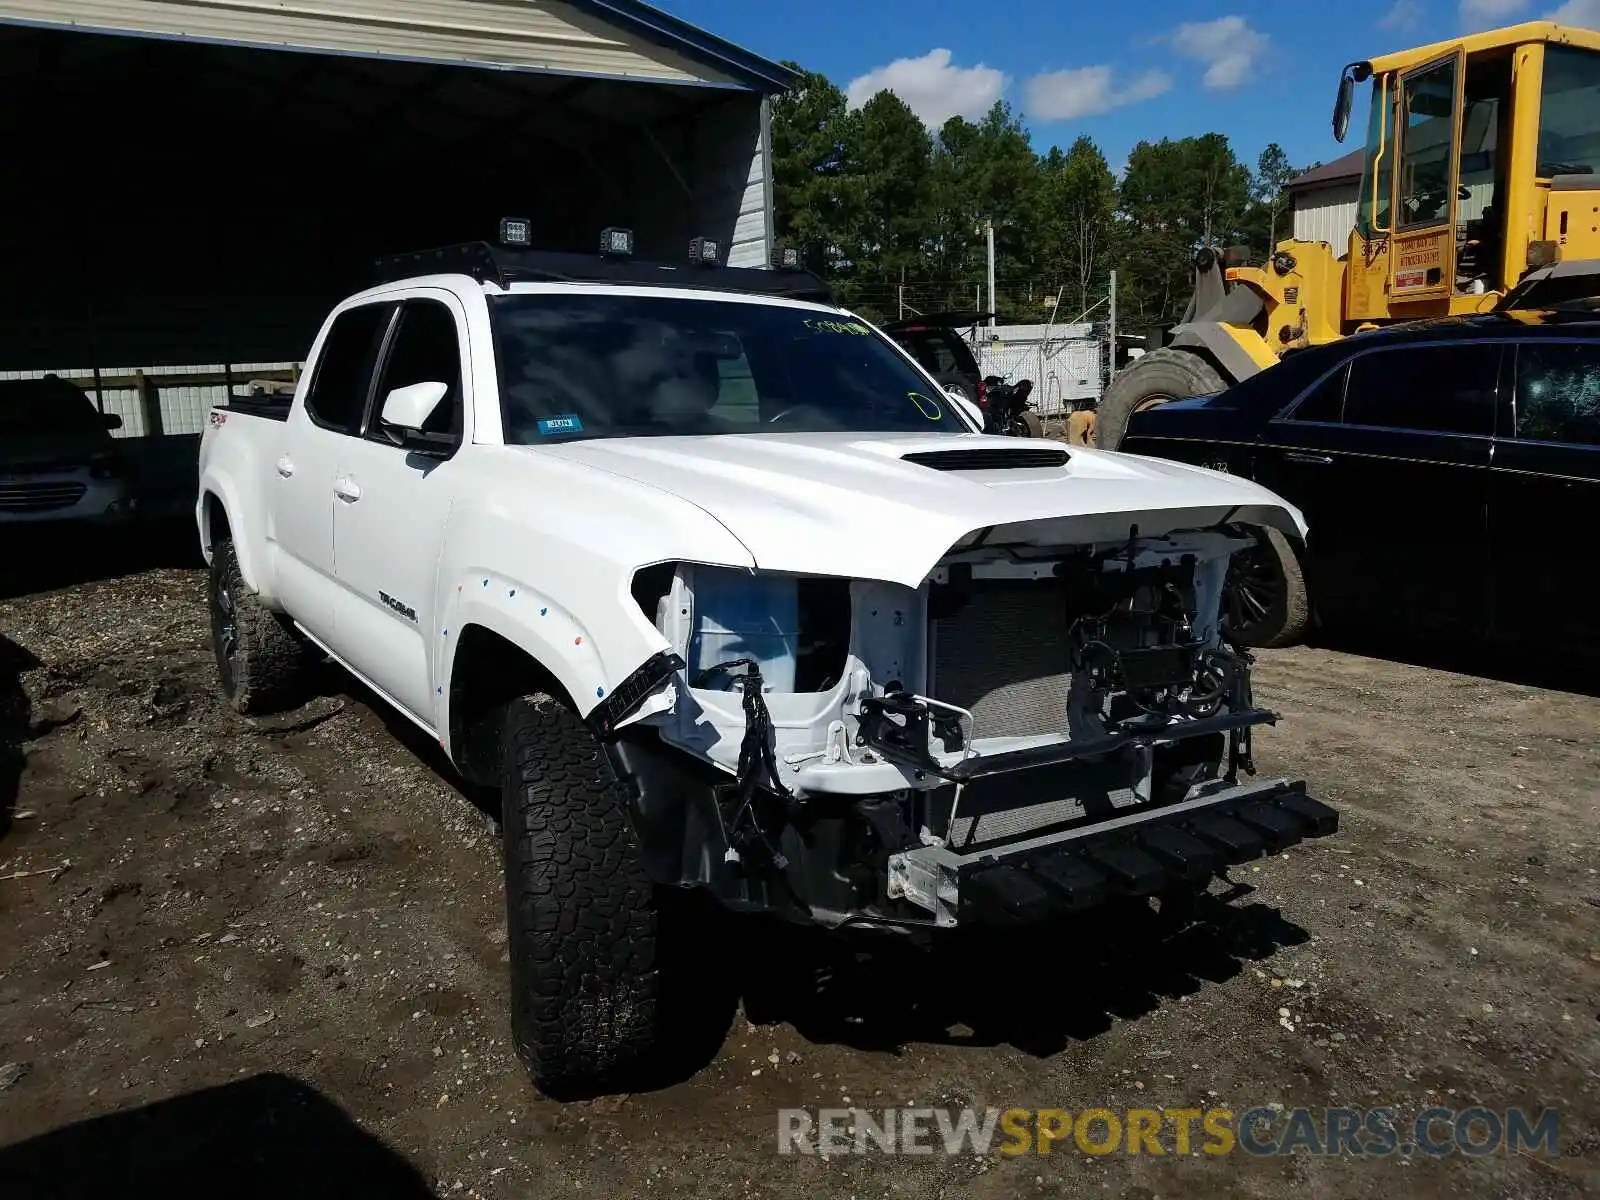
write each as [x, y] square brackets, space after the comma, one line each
[1033, 729]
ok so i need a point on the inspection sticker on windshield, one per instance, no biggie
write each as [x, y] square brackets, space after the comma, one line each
[820, 325]
[569, 423]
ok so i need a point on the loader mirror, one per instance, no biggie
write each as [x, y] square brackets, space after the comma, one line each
[1341, 107]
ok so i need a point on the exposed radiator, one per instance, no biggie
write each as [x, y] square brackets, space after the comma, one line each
[1004, 656]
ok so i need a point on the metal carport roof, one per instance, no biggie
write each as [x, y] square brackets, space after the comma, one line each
[619, 39]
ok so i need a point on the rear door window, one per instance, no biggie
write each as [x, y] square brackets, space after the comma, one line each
[1558, 392]
[941, 352]
[338, 393]
[1427, 389]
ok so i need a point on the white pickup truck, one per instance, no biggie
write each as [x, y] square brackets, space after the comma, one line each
[731, 601]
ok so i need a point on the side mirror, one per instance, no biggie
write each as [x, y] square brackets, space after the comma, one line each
[112, 420]
[1341, 106]
[970, 410]
[408, 408]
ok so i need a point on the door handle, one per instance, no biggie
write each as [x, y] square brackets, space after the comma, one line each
[347, 489]
[285, 466]
[1300, 456]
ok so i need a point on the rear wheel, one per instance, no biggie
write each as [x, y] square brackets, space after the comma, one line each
[1264, 601]
[1028, 424]
[1151, 380]
[615, 980]
[261, 664]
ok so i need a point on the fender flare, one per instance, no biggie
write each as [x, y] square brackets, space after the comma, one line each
[548, 633]
[244, 546]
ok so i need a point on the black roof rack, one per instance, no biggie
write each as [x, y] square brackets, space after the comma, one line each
[504, 266]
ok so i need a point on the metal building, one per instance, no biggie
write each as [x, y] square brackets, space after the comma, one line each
[1324, 201]
[192, 183]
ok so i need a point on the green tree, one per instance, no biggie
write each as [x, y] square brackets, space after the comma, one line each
[1176, 196]
[887, 198]
[1078, 200]
[809, 166]
[1273, 173]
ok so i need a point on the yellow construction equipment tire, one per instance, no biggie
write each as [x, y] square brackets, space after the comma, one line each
[1152, 379]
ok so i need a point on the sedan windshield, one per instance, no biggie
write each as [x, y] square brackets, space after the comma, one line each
[587, 365]
[47, 406]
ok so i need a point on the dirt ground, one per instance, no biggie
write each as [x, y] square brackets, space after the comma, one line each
[269, 957]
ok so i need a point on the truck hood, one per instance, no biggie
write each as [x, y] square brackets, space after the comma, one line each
[23, 450]
[848, 504]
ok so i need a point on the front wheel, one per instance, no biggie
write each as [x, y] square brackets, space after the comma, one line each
[1264, 600]
[1151, 380]
[614, 979]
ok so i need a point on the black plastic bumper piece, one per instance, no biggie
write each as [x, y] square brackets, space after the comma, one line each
[1167, 851]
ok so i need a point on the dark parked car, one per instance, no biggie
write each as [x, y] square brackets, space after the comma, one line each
[1449, 472]
[57, 459]
[937, 345]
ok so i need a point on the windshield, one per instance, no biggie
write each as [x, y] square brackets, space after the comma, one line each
[1569, 115]
[47, 406]
[583, 365]
[1378, 130]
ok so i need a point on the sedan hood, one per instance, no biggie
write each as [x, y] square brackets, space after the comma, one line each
[850, 504]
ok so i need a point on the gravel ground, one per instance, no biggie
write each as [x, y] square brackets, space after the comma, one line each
[269, 957]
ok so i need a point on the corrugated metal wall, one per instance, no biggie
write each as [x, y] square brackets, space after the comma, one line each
[730, 179]
[542, 35]
[1326, 214]
[1329, 214]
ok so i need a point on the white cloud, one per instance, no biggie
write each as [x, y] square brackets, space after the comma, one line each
[933, 88]
[1585, 14]
[1085, 91]
[1228, 46]
[1485, 14]
[1402, 14]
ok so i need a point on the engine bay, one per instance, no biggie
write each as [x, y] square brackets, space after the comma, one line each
[1017, 693]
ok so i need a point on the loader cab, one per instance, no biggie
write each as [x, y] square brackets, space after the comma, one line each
[1482, 161]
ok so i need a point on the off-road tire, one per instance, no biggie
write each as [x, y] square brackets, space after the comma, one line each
[1288, 617]
[1030, 425]
[1161, 375]
[616, 982]
[261, 664]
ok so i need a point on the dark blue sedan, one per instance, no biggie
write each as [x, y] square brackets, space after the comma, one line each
[1449, 472]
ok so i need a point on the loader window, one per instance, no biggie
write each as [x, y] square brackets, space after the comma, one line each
[1427, 143]
[1569, 112]
[1379, 127]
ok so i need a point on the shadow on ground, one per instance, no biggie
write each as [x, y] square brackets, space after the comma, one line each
[45, 558]
[266, 1136]
[15, 722]
[1037, 989]
[1537, 665]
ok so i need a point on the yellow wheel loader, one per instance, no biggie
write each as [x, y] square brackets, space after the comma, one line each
[1481, 190]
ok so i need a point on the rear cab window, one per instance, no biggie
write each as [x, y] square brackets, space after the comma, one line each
[343, 374]
[940, 352]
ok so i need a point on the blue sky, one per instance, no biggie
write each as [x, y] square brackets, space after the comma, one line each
[1161, 68]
